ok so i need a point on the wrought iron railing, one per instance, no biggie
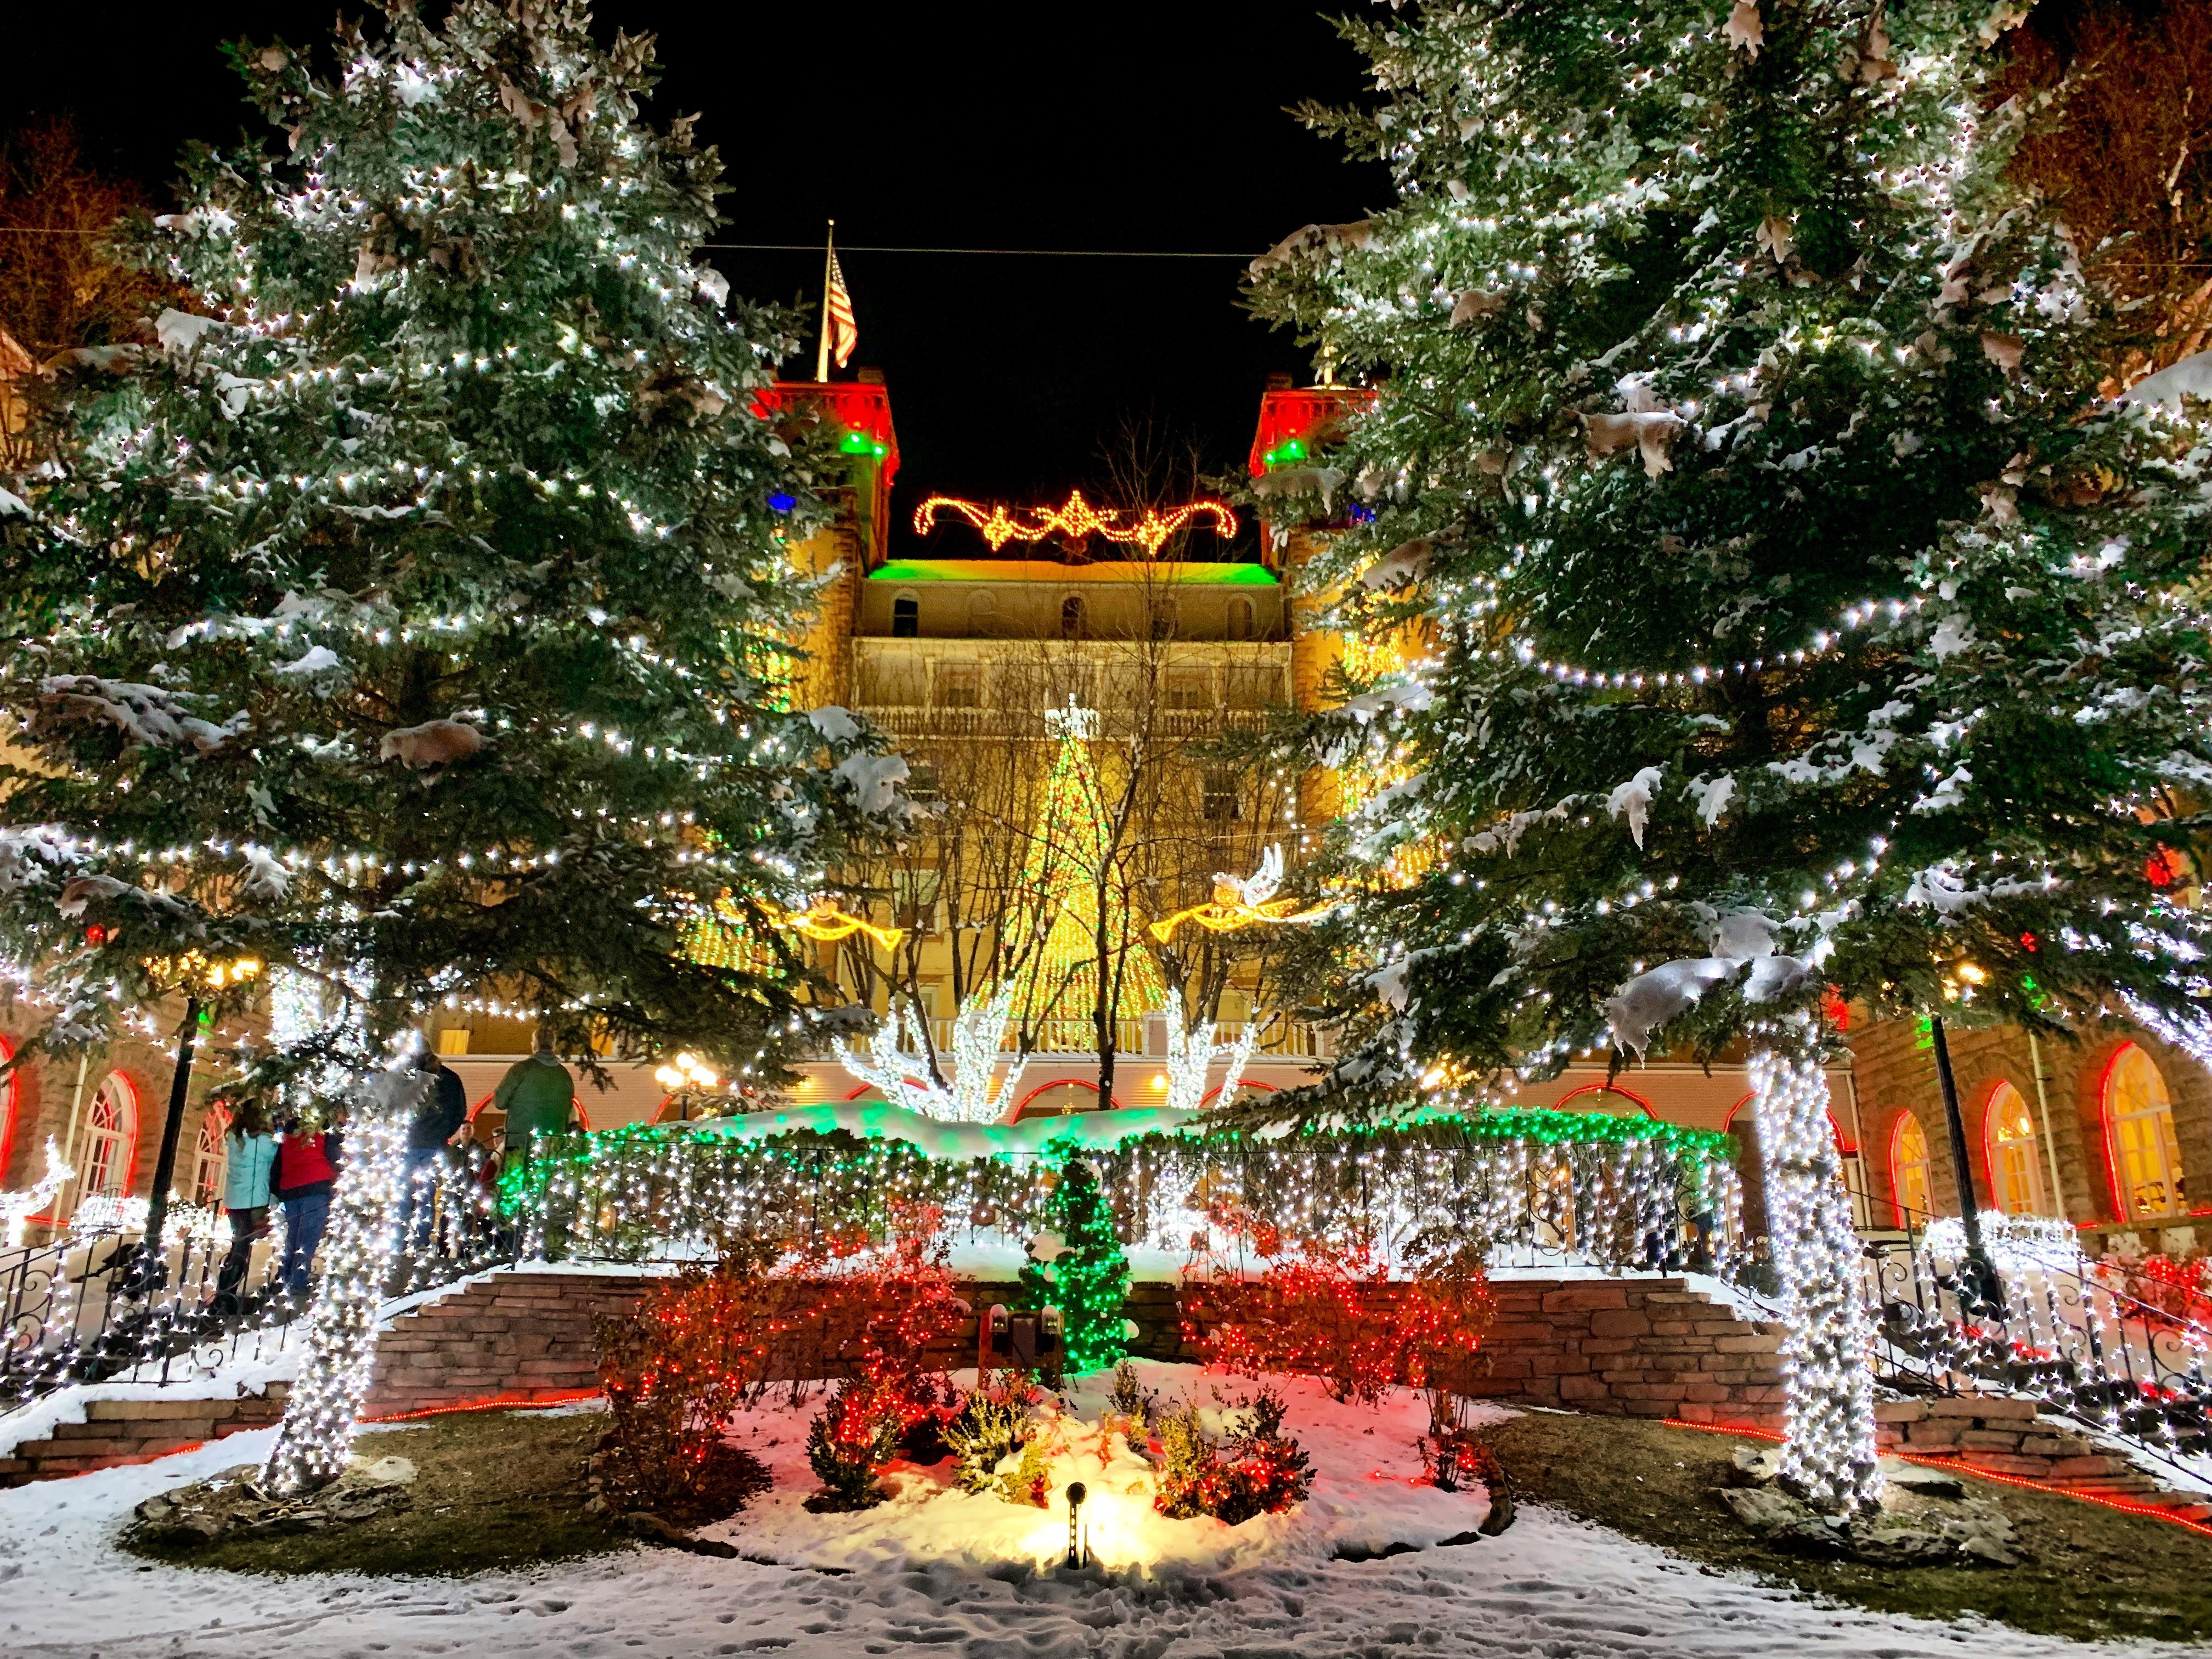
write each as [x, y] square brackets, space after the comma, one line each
[89, 1305]
[2041, 1322]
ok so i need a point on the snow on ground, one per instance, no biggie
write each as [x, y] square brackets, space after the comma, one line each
[1549, 1588]
[1366, 1495]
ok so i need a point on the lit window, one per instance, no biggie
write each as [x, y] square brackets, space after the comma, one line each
[1187, 692]
[111, 1131]
[1909, 1173]
[211, 1157]
[1218, 800]
[2139, 1120]
[2016, 1154]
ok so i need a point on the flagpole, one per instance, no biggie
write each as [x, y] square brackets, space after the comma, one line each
[829, 254]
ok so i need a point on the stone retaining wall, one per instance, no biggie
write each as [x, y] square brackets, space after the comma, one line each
[117, 1432]
[1645, 1347]
[2009, 1436]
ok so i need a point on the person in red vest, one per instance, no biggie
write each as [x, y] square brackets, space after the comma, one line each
[306, 1175]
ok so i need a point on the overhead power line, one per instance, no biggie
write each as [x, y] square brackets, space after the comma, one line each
[844, 247]
[1014, 252]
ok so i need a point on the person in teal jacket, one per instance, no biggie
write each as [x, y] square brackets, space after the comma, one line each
[249, 1169]
[536, 1095]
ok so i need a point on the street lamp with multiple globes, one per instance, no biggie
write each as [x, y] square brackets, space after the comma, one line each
[196, 977]
[689, 1073]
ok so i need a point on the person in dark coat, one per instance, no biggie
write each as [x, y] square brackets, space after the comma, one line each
[306, 1175]
[443, 1113]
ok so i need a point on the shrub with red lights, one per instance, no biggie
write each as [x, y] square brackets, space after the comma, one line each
[673, 1372]
[1255, 1469]
[1332, 1311]
[2181, 1289]
[889, 1313]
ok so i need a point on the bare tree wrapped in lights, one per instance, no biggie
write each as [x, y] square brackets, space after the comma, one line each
[1794, 611]
[404, 611]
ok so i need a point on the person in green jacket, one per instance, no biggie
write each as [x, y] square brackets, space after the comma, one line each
[536, 1094]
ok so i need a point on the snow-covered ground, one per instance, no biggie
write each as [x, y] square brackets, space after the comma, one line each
[954, 1574]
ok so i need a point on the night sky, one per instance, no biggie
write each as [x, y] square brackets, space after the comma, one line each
[1141, 125]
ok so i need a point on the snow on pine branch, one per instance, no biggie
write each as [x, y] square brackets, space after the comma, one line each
[147, 714]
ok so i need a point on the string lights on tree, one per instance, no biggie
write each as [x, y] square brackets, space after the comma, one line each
[451, 671]
[1677, 774]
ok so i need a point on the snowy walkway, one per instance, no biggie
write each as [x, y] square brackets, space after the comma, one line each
[1549, 1586]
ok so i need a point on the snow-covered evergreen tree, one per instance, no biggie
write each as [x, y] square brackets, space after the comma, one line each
[407, 613]
[407, 609]
[1792, 609]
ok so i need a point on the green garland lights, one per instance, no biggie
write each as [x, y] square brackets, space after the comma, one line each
[1602, 1188]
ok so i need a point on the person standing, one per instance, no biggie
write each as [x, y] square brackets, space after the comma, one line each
[248, 1173]
[442, 1115]
[536, 1094]
[307, 1174]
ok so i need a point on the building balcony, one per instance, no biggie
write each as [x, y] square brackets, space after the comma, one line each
[927, 721]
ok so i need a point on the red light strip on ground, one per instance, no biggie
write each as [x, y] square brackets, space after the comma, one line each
[497, 1403]
[1951, 1466]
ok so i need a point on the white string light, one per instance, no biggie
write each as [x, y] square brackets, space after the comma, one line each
[1828, 1447]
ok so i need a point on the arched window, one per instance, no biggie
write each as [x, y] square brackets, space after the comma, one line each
[10, 1089]
[2139, 1131]
[1060, 1099]
[906, 617]
[1600, 1097]
[983, 614]
[109, 1138]
[1913, 1188]
[1239, 619]
[211, 1157]
[2015, 1155]
[1071, 617]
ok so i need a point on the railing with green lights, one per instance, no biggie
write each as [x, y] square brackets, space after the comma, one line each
[1532, 1187]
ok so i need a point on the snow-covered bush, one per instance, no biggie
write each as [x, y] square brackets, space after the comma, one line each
[1254, 1469]
[847, 1444]
[1134, 1404]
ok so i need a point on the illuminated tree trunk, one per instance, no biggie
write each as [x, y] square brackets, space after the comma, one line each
[340, 1345]
[1828, 1425]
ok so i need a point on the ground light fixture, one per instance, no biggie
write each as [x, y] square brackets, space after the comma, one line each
[1077, 1555]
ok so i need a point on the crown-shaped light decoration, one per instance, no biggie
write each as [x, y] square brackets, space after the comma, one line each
[1077, 520]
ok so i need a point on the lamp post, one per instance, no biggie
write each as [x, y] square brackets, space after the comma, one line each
[197, 974]
[687, 1073]
[1979, 1268]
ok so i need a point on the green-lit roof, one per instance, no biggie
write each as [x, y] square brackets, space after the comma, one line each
[1052, 571]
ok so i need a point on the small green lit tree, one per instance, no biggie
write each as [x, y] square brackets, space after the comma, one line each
[1088, 1277]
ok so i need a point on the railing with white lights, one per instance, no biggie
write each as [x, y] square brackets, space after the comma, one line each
[84, 1307]
[2039, 1322]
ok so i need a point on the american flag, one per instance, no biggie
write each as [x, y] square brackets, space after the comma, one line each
[844, 330]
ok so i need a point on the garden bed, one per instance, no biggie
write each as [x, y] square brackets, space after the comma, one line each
[491, 1489]
[2089, 1572]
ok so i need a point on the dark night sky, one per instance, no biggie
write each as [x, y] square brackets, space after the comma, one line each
[1147, 125]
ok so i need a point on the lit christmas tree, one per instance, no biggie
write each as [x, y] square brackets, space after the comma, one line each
[1087, 1276]
[1092, 961]
[1797, 613]
[398, 616]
